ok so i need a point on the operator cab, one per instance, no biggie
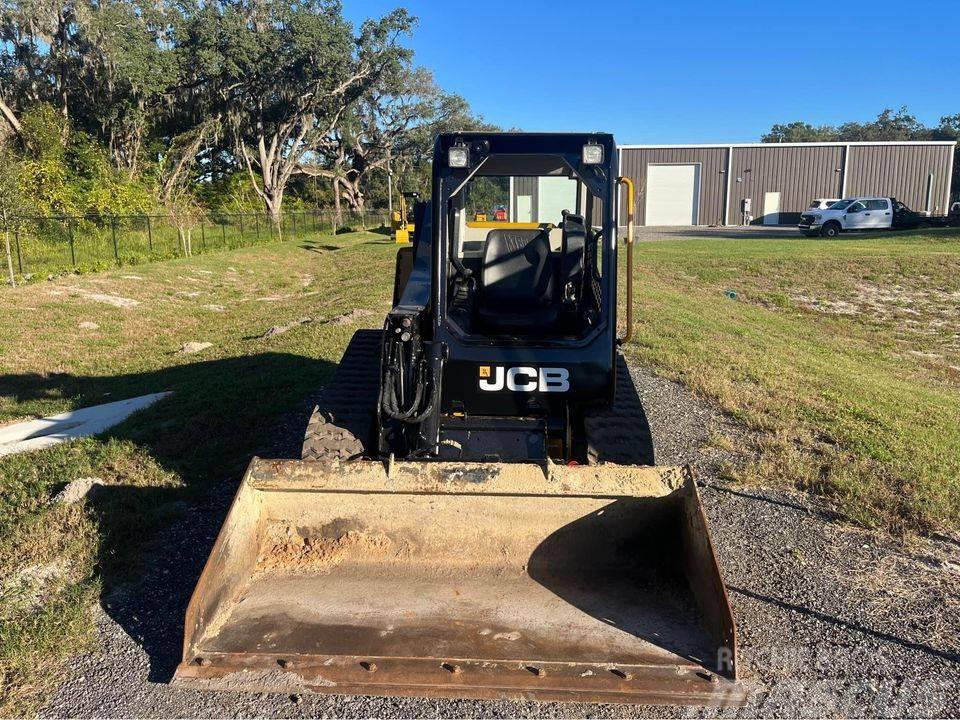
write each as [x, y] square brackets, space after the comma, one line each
[534, 273]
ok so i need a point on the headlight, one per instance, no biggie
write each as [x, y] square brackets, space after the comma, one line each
[458, 156]
[817, 217]
[592, 154]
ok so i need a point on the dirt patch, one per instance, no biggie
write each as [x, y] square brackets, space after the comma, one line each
[351, 317]
[214, 308]
[917, 313]
[115, 300]
[87, 325]
[831, 307]
[291, 549]
[76, 490]
[249, 680]
[886, 301]
[193, 347]
[28, 586]
[280, 329]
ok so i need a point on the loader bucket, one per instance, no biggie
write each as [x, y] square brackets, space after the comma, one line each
[589, 583]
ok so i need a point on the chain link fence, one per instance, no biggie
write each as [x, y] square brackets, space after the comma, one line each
[51, 244]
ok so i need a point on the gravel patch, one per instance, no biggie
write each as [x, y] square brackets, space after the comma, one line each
[812, 638]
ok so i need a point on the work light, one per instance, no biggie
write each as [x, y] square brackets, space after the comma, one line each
[458, 156]
[592, 154]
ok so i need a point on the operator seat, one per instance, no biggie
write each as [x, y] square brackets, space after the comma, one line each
[517, 283]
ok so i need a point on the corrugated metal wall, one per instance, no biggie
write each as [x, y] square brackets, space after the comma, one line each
[902, 171]
[799, 174]
[525, 186]
[633, 164]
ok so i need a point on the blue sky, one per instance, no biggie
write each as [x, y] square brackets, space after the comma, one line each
[686, 71]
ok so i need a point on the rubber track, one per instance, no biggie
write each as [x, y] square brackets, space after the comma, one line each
[341, 425]
[620, 434]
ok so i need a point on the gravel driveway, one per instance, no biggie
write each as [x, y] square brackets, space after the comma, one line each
[832, 621]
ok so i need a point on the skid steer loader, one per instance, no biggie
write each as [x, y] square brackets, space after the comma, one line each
[477, 513]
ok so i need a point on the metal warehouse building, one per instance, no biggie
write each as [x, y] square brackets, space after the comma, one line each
[765, 183]
[756, 183]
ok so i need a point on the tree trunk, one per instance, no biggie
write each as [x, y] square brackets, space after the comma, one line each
[337, 210]
[273, 201]
[354, 194]
[10, 117]
[6, 237]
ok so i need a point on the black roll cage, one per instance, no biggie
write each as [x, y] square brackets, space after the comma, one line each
[599, 179]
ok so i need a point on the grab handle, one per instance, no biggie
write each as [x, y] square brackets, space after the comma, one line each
[630, 205]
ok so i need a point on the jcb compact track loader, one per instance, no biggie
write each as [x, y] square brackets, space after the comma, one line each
[477, 513]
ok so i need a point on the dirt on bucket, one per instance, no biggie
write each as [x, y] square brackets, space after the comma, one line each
[290, 549]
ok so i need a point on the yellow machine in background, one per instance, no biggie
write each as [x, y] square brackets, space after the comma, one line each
[400, 220]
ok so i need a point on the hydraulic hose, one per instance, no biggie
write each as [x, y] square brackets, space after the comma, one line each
[390, 401]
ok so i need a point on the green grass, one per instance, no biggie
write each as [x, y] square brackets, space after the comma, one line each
[842, 355]
[57, 560]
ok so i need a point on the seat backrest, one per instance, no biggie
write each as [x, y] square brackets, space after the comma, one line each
[517, 267]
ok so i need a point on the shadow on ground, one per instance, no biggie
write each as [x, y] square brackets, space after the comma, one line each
[154, 540]
[855, 629]
[318, 247]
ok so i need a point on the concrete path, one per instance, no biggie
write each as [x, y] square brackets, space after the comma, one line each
[36, 434]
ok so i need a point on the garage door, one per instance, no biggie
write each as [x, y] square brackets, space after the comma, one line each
[554, 195]
[673, 194]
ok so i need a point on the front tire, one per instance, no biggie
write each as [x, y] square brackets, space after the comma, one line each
[830, 230]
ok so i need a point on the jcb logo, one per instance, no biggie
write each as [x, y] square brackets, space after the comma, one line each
[524, 379]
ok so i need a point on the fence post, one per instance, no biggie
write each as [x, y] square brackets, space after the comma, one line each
[16, 241]
[256, 220]
[73, 254]
[149, 234]
[113, 231]
[223, 233]
[241, 227]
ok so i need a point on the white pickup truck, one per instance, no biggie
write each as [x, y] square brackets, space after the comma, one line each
[821, 203]
[860, 213]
